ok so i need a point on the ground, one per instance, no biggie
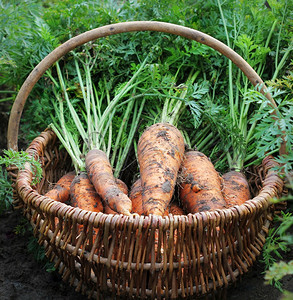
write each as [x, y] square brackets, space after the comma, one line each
[23, 277]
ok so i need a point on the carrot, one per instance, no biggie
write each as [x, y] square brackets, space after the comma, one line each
[235, 188]
[123, 187]
[61, 190]
[84, 195]
[201, 186]
[101, 175]
[160, 152]
[136, 197]
[175, 209]
[108, 210]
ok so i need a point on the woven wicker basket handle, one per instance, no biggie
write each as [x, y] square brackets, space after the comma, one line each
[50, 59]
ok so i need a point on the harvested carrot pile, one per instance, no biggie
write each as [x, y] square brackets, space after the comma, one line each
[158, 143]
[165, 167]
[173, 175]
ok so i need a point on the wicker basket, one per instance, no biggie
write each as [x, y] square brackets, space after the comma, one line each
[104, 254]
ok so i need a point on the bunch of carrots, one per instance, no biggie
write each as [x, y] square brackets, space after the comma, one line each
[164, 164]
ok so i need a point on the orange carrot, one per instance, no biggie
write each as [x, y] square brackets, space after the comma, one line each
[61, 190]
[136, 198]
[201, 186]
[123, 187]
[175, 209]
[108, 210]
[235, 188]
[101, 175]
[160, 152]
[84, 195]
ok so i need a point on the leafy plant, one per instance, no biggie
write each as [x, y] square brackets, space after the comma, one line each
[6, 198]
[223, 115]
[18, 40]
[22, 227]
[39, 254]
[278, 242]
[277, 271]
[97, 119]
[272, 126]
[17, 159]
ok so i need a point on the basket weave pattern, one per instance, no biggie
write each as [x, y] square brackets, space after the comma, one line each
[145, 256]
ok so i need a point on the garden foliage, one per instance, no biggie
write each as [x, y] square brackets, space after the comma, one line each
[223, 115]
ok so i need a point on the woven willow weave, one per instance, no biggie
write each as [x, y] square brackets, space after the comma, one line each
[157, 257]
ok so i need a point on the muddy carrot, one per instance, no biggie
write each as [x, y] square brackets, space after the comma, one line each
[175, 209]
[84, 195]
[160, 152]
[61, 190]
[101, 175]
[136, 197]
[123, 187]
[235, 188]
[201, 184]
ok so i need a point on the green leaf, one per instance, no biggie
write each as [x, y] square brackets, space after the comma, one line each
[6, 191]
[18, 159]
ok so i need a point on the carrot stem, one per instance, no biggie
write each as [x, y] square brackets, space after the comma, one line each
[70, 106]
[174, 105]
[133, 128]
[232, 107]
[128, 86]
[121, 129]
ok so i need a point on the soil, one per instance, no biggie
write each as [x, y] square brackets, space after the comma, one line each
[23, 276]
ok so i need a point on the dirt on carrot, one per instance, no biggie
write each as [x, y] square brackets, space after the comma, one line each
[101, 175]
[61, 190]
[175, 209]
[84, 195]
[160, 153]
[200, 189]
[235, 188]
[123, 187]
[135, 196]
